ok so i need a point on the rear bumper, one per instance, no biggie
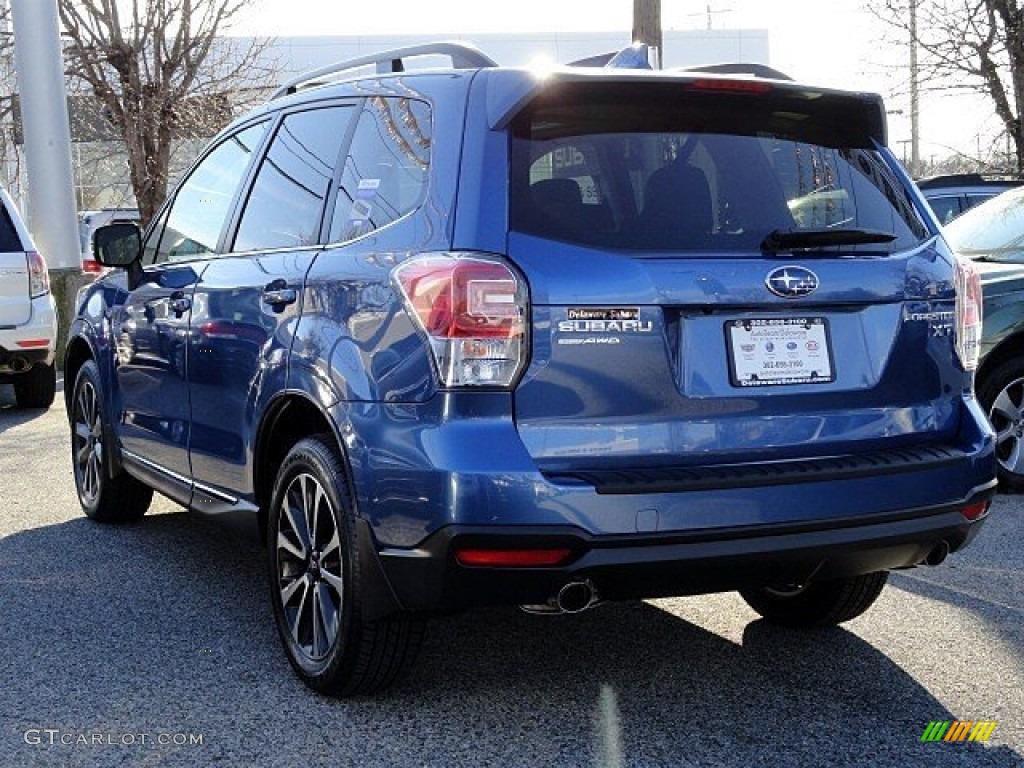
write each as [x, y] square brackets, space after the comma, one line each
[39, 333]
[462, 478]
[429, 577]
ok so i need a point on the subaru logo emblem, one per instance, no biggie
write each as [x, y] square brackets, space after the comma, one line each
[791, 282]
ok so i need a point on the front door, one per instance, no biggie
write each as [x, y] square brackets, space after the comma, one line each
[151, 333]
[152, 329]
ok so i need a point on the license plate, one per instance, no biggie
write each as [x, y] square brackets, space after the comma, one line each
[780, 350]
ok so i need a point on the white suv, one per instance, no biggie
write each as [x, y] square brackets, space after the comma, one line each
[28, 318]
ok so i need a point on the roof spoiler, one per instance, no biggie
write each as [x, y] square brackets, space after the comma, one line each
[739, 68]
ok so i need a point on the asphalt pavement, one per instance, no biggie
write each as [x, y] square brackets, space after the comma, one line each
[153, 644]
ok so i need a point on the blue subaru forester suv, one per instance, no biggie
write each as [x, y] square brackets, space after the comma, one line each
[480, 335]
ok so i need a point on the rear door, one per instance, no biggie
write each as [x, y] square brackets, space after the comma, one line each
[15, 306]
[248, 300]
[676, 320]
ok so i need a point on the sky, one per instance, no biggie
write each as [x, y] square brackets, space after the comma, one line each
[836, 43]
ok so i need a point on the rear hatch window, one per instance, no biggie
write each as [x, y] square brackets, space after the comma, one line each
[15, 308]
[685, 167]
[720, 281]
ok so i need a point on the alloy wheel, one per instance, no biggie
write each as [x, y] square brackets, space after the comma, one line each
[88, 443]
[309, 567]
[1008, 421]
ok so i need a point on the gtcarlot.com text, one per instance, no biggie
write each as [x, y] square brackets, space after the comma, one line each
[57, 737]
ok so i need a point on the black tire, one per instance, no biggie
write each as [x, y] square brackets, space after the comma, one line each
[36, 387]
[1001, 394]
[103, 498]
[819, 604]
[332, 648]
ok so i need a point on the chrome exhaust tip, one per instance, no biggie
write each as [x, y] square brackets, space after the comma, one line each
[574, 597]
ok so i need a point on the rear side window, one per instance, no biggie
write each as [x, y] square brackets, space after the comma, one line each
[385, 174]
[664, 169]
[9, 240]
[286, 205]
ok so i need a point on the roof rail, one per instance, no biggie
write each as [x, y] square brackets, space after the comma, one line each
[463, 56]
[739, 68]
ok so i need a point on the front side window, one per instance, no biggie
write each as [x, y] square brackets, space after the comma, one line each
[203, 201]
[675, 171]
[286, 204]
[385, 175]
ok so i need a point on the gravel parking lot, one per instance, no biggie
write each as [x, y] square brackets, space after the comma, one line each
[153, 644]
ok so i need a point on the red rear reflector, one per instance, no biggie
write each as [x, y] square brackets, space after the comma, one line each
[29, 343]
[976, 510]
[91, 266]
[512, 558]
[732, 86]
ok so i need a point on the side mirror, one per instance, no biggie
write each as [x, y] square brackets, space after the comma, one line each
[117, 245]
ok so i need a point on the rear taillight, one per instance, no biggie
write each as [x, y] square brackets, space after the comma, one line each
[473, 309]
[38, 277]
[968, 313]
[91, 266]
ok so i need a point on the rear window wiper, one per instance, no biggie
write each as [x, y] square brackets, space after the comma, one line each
[800, 239]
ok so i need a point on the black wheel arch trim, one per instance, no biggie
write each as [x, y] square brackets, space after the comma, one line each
[82, 331]
[269, 417]
[1007, 348]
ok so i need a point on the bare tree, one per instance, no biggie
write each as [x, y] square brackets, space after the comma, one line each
[9, 155]
[162, 71]
[968, 44]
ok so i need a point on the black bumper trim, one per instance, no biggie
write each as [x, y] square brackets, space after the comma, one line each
[759, 474]
[428, 578]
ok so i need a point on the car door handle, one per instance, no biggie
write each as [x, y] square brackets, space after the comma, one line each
[277, 294]
[179, 305]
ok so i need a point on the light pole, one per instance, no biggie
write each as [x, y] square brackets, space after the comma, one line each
[44, 113]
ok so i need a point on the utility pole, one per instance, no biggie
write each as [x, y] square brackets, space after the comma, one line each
[647, 26]
[915, 124]
[44, 114]
[711, 13]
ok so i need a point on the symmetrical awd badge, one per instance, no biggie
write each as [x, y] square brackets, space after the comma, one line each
[791, 282]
